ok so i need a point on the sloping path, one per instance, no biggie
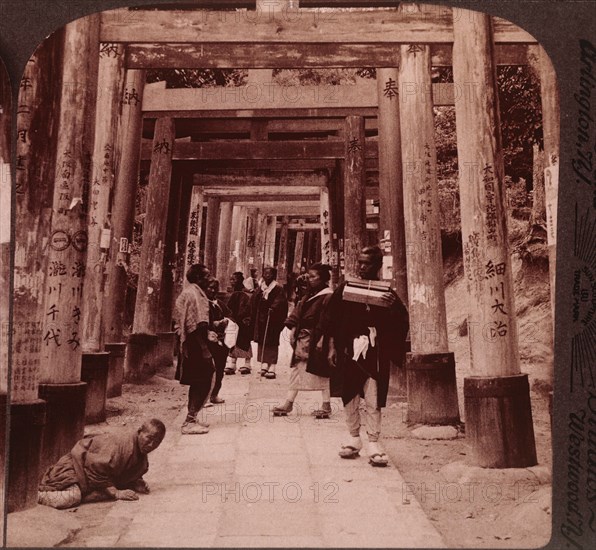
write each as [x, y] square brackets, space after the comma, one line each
[260, 481]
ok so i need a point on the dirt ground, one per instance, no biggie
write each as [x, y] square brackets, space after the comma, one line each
[490, 515]
[485, 515]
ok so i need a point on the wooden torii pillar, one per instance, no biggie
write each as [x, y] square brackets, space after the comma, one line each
[354, 199]
[282, 261]
[270, 232]
[260, 232]
[166, 337]
[39, 100]
[391, 188]
[251, 227]
[236, 237]
[549, 94]
[326, 225]
[95, 363]
[211, 232]
[61, 385]
[336, 203]
[497, 397]
[298, 250]
[431, 385]
[392, 235]
[223, 243]
[193, 234]
[182, 236]
[6, 191]
[241, 264]
[140, 353]
[122, 218]
[551, 127]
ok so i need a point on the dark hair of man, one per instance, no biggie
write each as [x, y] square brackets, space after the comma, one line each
[156, 425]
[375, 253]
[212, 280]
[239, 275]
[273, 271]
[195, 273]
[323, 270]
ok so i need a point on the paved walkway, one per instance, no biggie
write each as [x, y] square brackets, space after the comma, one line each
[260, 481]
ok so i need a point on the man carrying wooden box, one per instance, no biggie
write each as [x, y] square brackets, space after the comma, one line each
[367, 324]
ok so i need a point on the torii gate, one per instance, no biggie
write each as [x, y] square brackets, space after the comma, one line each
[402, 43]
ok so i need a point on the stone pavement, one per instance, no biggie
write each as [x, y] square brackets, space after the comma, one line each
[260, 481]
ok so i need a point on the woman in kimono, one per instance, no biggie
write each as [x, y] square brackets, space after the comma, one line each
[269, 310]
[310, 368]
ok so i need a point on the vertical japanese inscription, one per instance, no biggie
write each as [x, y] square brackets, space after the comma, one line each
[488, 181]
[193, 237]
[495, 277]
[27, 342]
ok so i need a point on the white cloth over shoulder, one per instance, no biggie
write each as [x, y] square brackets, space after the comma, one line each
[362, 343]
[268, 288]
[231, 334]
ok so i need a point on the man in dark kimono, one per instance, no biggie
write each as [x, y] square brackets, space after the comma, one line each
[269, 310]
[363, 340]
[102, 467]
[219, 314]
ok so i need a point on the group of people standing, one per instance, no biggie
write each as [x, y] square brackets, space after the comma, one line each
[331, 334]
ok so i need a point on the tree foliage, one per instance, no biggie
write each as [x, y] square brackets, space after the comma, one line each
[521, 118]
[198, 78]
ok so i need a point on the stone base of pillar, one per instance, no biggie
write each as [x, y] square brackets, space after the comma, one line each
[164, 350]
[94, 372]
[398, 380]
[139, 361]
[397, 383]
[65, 420]
[432, 390]
[499, 424]
[116, 368]
[24, 467]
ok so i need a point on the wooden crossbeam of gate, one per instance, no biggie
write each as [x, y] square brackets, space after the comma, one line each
[247, 197]
[306, 183]
[209, 55]
[302, 26]
[330, 149]
[212, 167]
[241, 126]
[277, 100]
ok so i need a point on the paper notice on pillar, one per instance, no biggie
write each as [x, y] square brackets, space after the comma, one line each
[5, 193]
[551, 189]
[105, 238]
[123, 245]
[387, 270]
